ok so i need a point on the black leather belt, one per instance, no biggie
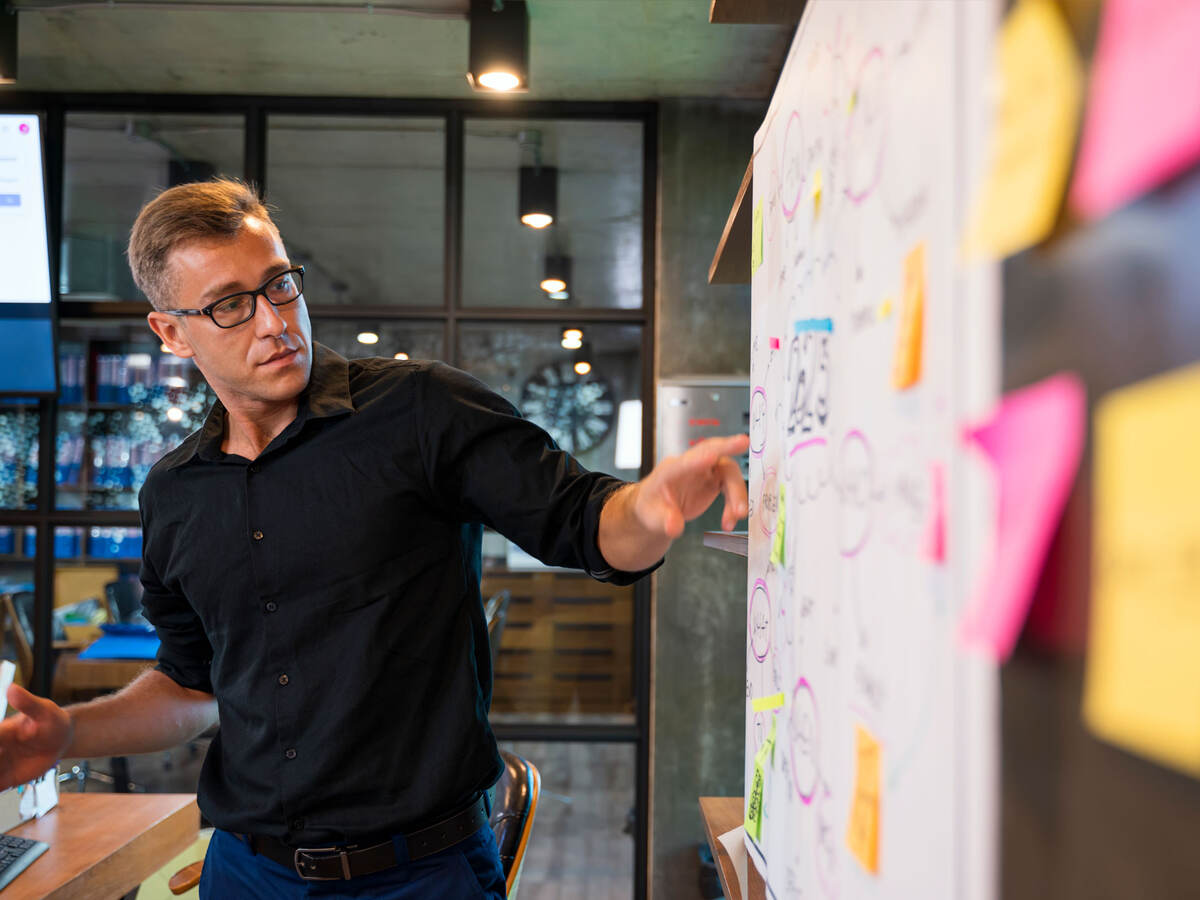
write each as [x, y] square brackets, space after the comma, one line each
[343, 861]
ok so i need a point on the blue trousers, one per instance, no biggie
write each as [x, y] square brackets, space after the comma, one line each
[467, 871]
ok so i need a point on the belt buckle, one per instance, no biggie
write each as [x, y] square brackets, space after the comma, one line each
[330, 852]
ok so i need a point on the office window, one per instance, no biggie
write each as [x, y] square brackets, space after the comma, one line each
[352, 338]
[581, 408]
[361, 203]
[598, 224]
[565, 651]
[117, 162]
[19, 424]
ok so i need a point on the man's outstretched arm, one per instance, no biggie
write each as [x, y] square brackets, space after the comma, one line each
[152, 713]
[639, 522]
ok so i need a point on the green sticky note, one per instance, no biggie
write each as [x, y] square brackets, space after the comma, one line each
[780, 525]
[753, 821]
[756, 240]
[754, 809]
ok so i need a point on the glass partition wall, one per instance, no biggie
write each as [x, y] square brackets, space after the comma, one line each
[407, 218]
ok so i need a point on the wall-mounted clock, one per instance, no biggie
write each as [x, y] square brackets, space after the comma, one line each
[576, 410]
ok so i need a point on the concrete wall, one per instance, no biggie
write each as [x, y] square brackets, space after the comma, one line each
[699, 605]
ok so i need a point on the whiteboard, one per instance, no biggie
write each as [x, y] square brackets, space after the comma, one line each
[862, 175]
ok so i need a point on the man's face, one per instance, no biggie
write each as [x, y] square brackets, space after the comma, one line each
[260, 363]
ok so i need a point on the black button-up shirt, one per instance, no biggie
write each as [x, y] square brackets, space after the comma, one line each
[327, 593]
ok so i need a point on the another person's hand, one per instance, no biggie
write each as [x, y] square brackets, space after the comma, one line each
[682, 487]
[34, 739]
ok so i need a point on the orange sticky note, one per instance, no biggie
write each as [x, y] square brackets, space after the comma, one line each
[862, 832]
[910, 332]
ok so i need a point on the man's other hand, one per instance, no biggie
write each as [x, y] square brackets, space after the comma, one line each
[34, 739]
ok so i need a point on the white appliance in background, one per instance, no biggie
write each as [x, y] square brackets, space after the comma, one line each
[691, 408]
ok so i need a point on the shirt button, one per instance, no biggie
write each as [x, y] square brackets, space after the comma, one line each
[254, 468]
[258, 535]
[290, 752]
[272, 606]
[297, 824]
[283, 679]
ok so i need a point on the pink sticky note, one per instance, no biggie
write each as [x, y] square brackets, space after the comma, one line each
[774, 343]
[1143, 118]
[1034, 442]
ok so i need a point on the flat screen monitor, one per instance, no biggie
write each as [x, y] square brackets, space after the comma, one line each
[27, 353]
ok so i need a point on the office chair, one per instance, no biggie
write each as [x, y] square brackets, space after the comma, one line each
[124, 598]
[515, 803]
[516, 800]
[495, 611]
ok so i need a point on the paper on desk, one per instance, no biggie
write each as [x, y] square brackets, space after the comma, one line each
[1142, 686]
[734, 843]
[8, 671]
[1034, 442]
[1041, 85]
[1143, 119]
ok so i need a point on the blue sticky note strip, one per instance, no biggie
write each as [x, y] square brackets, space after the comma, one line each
[119, 646]
[814, 325]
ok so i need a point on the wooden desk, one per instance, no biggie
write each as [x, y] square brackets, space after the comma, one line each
[104, 845]
[722, 814]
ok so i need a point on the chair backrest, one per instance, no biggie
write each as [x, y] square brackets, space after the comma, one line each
[515, 803]
[18, 611]
[124, 598]
[496, 611]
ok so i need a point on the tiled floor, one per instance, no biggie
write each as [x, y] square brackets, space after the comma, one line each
[578, 847]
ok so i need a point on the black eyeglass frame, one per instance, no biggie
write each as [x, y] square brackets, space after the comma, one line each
[261, 289]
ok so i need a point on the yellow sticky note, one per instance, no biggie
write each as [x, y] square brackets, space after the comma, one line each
[862, 832]
[1142, 684]
[910, 331]
[756, 239]
[818, 185]
[772, 701]
[780, 524]
[754, 807]
[1041, 90]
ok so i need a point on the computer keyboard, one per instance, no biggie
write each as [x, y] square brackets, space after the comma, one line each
[16, 853]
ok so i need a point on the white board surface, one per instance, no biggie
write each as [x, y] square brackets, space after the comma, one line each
[867, 153]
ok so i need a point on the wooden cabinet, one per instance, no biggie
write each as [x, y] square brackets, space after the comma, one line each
[566, 645]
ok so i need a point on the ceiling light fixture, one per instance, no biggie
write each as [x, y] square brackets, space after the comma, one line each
[8, 43]
[558, 274]
[537, 198]
[401, 355]
[583, 356]
[368, 337]
[498, 51]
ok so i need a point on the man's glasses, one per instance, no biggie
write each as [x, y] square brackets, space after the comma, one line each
[233, 310]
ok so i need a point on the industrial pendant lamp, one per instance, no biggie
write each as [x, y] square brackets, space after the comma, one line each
[498, 56]
[558, 276]
[8, 43]
[537, 196]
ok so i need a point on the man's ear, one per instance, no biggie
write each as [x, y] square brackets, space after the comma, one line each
[170, 331]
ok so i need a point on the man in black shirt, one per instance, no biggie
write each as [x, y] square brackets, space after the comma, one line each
[312, 565]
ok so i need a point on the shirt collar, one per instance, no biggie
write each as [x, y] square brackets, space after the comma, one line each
[326, 395]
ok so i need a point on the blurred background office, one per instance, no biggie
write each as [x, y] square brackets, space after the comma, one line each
[401, 186]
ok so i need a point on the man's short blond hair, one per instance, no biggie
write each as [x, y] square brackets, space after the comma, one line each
[203, 210]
